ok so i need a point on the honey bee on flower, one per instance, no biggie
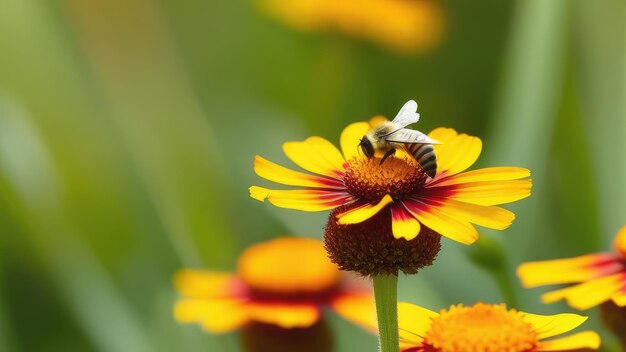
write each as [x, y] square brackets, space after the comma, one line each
[389, 136]
[393, 213]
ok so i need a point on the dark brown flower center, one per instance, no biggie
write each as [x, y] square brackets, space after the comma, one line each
[614, 318]
[369, 180]
[370, 249]
[258, 337]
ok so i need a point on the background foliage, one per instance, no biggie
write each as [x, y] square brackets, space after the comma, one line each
[128, 130]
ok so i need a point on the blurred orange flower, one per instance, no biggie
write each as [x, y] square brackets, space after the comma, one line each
[602, 277]
[479, 328]
[283, 282]
[410, 26]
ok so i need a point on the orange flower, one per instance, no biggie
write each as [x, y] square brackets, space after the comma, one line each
[408, 26]
[479, 328]
[283, 282]
[448, 204]
[602, 277]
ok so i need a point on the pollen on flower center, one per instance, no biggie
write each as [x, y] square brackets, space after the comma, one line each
[288, 266]
[370, 180]
[481, 327]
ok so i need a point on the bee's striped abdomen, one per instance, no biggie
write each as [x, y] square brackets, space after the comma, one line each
[425, 156]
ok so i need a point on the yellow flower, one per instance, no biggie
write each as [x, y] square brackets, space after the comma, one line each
[284, 282]
[479, 328]
[409, 26]
[602, 277]
[448, 204]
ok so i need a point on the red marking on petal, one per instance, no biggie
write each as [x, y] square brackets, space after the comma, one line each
[442, 192]
[439, 177]
[334, 198]
[330, 182]
[339, 173]
[415, 349]
[415, 205]
[399, 213]
[238, 288]
[319, 299]
[607, 264]
[623, 289]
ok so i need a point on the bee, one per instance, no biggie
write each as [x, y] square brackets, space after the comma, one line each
[389, 136]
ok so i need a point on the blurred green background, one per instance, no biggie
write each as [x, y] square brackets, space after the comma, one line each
[128, 131]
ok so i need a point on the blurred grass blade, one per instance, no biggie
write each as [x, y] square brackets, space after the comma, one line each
[600, 33]
[526, 110]
[37, 198]
[6, 331]
[574, 176]
[531, 86]
[104, 314]
[487, 253]
[169, 138]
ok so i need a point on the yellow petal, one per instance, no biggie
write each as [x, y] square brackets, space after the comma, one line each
[486, 174]
[456, 152]
[305, 200]
[364, 212]
[443, 134]
[259, 193]
[317, 155]
[562, 271]
[620, 241]
[551, 325]
[413, 322]
[454, 228]
[588, 294]
[287, 316]
[403, 224]
[492, 192]
[619, 298]
[216, 316]
[204, 284]
[578, 341]
[350, 138]
[357, 308]
[279, 174]
[377, 120]
[487, 216]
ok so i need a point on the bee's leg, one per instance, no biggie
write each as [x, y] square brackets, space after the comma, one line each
[391, 152]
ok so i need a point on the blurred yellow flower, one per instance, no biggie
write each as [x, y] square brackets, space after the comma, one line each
[479, 328]
[409, 26]
[284, 282]
[602, 277]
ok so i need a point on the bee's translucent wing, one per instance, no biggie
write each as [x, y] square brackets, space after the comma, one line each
[407, 115]
[409, 136]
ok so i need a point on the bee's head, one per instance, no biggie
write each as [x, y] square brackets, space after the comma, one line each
[366, 147]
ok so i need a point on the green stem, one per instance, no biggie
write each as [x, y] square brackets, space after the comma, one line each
[386, 295]
[506, 287]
